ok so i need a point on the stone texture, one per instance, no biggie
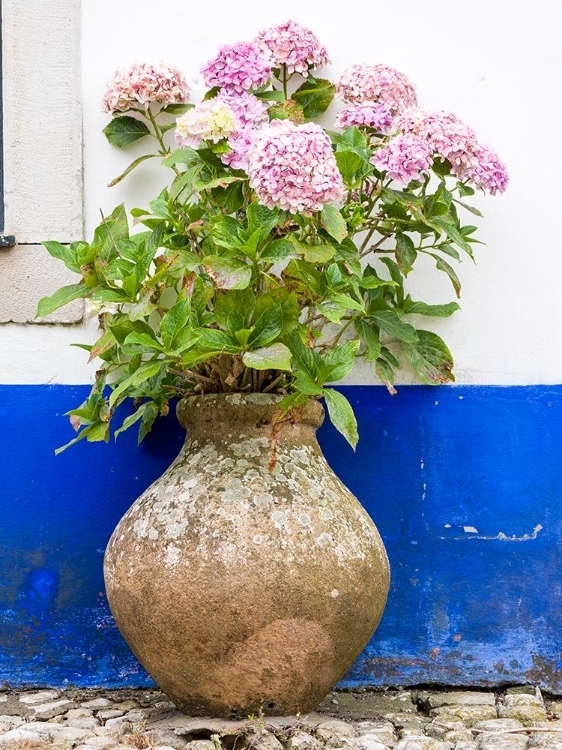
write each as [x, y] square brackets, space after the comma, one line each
[41, 696]
[503, 742]
[527, 715]
[459, 698]
[470, 714]
[420, 742]
[301, 740]
[28, 274]
[310, 554]
[50, 710]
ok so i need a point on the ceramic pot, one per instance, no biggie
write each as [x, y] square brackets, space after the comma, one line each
[241, 586]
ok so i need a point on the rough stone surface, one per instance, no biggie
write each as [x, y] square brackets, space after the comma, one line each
[458, 698]
[470, 714]
[148, 724]
[311, 557]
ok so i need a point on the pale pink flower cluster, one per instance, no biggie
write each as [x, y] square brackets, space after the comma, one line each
[372, 115]
[211, 120]
[404, 158]
[449, 137]
[249, 110]
[490, 173]
[144, 84]
[239, 144]
[377, 83]
[292, 45]
[293, 167]
[237, 67]
[452, 139]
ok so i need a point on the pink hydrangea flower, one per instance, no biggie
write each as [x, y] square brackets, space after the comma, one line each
[375, 116]
[239, 143]
[211, 120]
[237, 67]
[293, 167]
[292, 45]
[377, 83]
[489, 174]
[144, 83]
[404, 158]
[449, 137]
[249, 110]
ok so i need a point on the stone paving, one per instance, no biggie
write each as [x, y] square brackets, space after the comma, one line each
[518, 718]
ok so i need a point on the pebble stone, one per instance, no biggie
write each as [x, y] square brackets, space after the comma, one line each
[518, 718]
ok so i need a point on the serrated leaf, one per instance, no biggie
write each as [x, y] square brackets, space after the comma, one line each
[370, 336]
[338, 362]
[124, 130]
[333, 222]
[430, 358]
[174, 321]
[177, 109]
[136, 343]
[389, 321]
[214, 340]
[452, 232]
[438, 311]
[61, 297]
[275, 357]
[261, 217]
[348, 162]
[145, 371]
[442, 265]
[228, 273]
[181, 156]
[267, 327]
[314, 96]
[406, 253]
[386, 374]
[306, 384]
[130, 420]
[277, 251]
[341, 415]
[103, 344]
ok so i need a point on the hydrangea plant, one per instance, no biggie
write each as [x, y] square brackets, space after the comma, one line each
[279, 251]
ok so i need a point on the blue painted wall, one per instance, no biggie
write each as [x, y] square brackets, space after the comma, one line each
[464, 483]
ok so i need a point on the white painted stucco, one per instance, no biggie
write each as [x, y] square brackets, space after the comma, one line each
[495, 63]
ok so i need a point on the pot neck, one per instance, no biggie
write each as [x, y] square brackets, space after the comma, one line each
[213, 416]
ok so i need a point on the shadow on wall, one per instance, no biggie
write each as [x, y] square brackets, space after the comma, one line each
[464, 484]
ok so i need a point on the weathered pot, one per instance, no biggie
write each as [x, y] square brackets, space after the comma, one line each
[240, 589]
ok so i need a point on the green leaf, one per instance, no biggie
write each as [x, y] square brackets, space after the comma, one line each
[267, 327]
[442, 265]
[275, 357]
[348, 162]
[390, 322]
[306, 384]
[341, 415]
[430, 358]
[241, 300]
[140, 343]
[270, 96]
[130, 168]
[315, 96]
[125, 130]
[438, 311]
[131, 419]
[333, 222]
[277, 251]
[303, 357]
[386, 374]
[261, 217]
[338, 362]
[103, 344]
[351, 138]
[406, 253]
[370, 337]
[177, 109]
[213, 340]
[316, 254]
[181, 156]
[452, 232]
[174, 321]
[61, 297]
[472, 210]
[144, 372]
[228, 273]
[65, 253]
[84, 434]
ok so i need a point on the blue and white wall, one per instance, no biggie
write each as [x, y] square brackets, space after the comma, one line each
[464, 482]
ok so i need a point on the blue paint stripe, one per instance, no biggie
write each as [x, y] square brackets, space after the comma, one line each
[464, 483]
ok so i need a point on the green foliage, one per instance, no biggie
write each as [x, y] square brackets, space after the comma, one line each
[208, 290]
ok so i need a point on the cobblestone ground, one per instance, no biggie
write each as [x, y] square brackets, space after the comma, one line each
[518, 718]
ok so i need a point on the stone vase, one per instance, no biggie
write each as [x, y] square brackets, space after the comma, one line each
[247, 577]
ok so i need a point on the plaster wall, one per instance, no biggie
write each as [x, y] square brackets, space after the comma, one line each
[496, 67]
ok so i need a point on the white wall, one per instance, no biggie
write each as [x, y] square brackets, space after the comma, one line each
[493, 62]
